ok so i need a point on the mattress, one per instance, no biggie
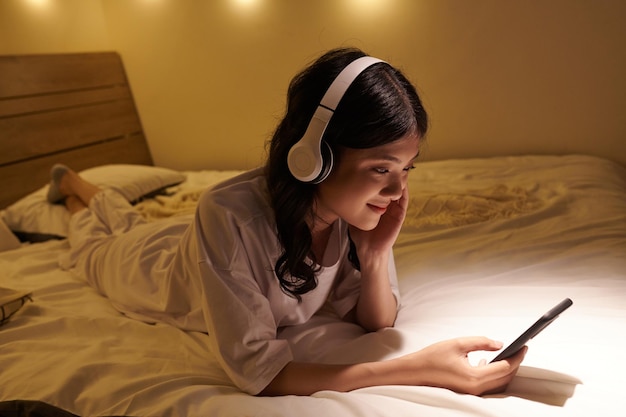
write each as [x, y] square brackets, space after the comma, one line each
[488, 246]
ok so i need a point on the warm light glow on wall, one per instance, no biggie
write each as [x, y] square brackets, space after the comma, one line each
[246, 4]
[369, 7]
[38, 3]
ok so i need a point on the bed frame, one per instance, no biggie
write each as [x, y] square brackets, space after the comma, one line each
[71, 108]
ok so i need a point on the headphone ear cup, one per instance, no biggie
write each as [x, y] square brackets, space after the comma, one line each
[304, 162]
[328, 161]
[306, 158]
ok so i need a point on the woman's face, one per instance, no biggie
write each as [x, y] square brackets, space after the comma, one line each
[364, 182]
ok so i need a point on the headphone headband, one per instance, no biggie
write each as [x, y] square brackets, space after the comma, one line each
[345, 78]
[305, 159]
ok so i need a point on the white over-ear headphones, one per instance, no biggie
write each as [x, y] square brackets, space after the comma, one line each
[306, 159]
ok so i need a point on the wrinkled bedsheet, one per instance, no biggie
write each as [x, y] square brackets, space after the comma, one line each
[488, 246]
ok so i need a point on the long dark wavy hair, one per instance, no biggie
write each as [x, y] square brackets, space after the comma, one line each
[380, 106]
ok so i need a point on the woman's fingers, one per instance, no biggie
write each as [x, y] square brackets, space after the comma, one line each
[498, 375]
[450, 368]
[472, 343]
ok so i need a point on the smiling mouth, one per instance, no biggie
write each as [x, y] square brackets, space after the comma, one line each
[377, 209]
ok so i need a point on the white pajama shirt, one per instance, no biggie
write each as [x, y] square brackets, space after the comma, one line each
[212, 273]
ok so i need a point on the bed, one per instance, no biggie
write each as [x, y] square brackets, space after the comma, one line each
[488, 246]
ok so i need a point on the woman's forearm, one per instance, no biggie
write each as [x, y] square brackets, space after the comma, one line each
[298, 378]
[377, 306]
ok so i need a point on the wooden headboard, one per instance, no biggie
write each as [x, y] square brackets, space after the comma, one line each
[76, 109]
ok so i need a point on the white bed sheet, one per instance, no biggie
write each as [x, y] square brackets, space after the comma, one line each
[488, 246]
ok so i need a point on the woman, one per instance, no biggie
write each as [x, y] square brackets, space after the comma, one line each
[268, 248]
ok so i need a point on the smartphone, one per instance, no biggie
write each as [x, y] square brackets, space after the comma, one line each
[534, 330]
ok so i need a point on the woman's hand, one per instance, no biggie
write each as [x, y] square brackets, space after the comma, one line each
[383, 236]
[445, 365]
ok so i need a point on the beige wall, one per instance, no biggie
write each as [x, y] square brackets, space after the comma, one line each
[51, 26]
[209, 76]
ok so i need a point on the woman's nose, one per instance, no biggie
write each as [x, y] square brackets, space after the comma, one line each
[394, 188]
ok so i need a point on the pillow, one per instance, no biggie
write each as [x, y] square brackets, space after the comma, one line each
[8, 240]
[34, 219]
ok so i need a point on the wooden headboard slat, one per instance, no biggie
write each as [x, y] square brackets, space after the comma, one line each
[52, 132]
[56, 101]
[71, 108]
[25, 75]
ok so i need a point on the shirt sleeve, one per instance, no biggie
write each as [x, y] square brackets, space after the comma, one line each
[239, 319]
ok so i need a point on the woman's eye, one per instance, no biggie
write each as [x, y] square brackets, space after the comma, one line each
[386, 170]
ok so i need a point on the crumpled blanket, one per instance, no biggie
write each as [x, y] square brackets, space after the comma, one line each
[162, 206]
[183, 198]
[453, 209]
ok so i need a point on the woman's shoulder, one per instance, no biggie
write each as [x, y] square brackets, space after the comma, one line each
[244, 179]
[244, 196]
